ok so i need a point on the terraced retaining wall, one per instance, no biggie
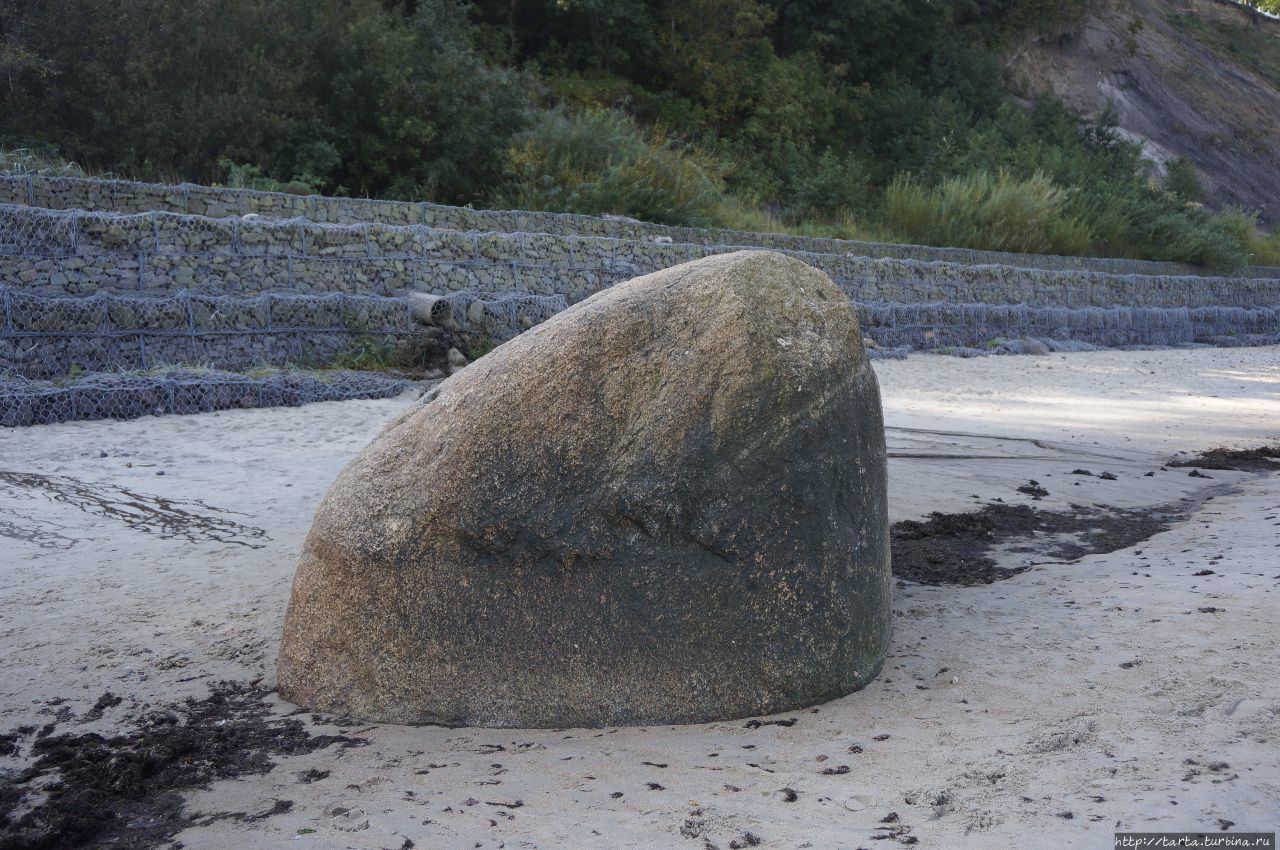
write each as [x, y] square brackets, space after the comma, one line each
[80, 253]
[65, 193]
[50, 337]
[44, 337]
[105, 291]
[984, 326]
[123, 396]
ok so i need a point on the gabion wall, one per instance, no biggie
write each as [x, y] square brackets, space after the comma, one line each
[24, 402]
[45, 336]
[52, 336]
[100, 292]
[77, 252]
[983, 326]
[130, 197]
[481, 320]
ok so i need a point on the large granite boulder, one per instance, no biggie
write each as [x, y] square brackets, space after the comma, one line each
[664, 505]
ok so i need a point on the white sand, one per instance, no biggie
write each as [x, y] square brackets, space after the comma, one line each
[1033, 718]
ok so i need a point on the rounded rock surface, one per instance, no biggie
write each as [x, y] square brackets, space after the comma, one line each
[666, 504]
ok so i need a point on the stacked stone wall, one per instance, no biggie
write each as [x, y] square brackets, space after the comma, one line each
[119, 196]
[69, 252]
[44, 337]
[147, 277]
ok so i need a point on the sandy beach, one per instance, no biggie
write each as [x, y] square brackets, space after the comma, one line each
[1134, 689]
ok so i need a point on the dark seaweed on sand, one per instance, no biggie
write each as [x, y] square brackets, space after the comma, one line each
[955, 548]
[1261, 459]
[124, 791]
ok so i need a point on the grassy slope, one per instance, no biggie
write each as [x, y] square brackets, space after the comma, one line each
[1257, 47]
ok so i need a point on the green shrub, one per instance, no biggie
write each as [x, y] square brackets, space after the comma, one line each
[412, 356]
[354, 95]
[1199, 240]
[245, 176]
[990, 212]
[1182, 182]
[598, 161]
[1264, 249]
[791, 116]
[1260, 249]
[833, 187]
[1150, 224]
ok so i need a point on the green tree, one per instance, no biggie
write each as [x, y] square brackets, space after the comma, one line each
[340, 94]
[598, 162]
[862, 39]
[1182, 181]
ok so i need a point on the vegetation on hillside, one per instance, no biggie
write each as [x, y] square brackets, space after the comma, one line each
[882, 118]
[1256, 47]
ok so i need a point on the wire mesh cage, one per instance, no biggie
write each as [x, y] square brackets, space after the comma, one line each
[128, 196]
[130, 396]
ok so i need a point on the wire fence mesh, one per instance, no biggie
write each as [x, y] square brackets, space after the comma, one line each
[51, 336]
[159, 252]
[107, 327]
[985, 326]
[130, 196]
[130, 396]
[486, 318]
[490, 287]
[28, 231]
[44, 336]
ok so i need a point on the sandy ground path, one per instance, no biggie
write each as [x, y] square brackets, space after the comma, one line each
[1119, 691]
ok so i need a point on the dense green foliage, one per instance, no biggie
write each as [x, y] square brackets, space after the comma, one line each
[330, 94]
[887, 118]
[597, 162]
[994, 213]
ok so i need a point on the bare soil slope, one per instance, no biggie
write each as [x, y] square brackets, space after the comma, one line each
[1197, 79]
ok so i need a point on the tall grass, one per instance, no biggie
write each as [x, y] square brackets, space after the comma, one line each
[1260, 249]
[598, 162]
[23, 162]
[737, 214]
[1265, 249]
[47, 162]
[989, 212]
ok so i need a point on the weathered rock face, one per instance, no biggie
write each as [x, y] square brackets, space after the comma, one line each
[664, 505]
